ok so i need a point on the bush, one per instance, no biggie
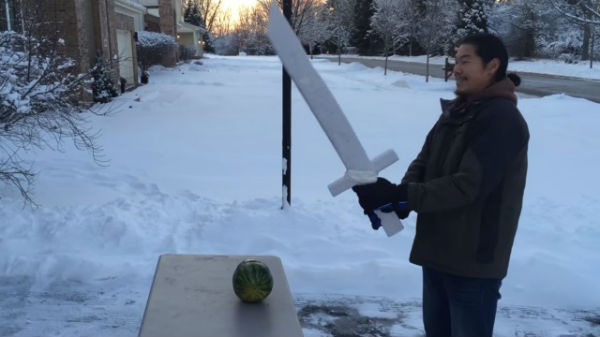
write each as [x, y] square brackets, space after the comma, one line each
[566, 46]
[40, 94]
[227, 44]
[103, 87]
[153, 47]
[186, 52]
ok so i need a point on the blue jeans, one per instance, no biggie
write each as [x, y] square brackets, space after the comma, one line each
[458, 306]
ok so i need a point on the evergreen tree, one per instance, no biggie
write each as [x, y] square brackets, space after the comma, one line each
[192, 14]
[103, 87]
[208, 43]
[471, 19]
[365, 40]
[525, 28]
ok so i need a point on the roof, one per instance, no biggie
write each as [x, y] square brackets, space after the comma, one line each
[189, 28]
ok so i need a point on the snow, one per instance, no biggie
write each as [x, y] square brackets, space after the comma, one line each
[195, 167]
[537, 66]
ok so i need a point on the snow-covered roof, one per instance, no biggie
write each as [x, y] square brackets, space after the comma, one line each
[189, 28]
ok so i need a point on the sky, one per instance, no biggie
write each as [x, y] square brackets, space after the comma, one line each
[236, 4]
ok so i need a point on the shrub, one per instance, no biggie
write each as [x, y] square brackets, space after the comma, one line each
[227, 44]
[103, 87]
[153, 47]
[186, 52]
[40, 94]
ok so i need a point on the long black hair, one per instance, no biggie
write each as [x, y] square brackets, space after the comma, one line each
[488, 47]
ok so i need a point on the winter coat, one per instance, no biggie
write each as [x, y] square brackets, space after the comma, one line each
[467, 185]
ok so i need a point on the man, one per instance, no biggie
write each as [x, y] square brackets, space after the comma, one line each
[467, 187]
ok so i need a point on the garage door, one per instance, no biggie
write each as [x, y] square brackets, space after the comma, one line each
[124, 44]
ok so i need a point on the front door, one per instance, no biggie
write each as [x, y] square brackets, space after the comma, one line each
[124, 44]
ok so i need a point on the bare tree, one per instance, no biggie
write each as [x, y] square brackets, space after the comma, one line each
[315, 29]
[438, 17]
[411, 14]
[302, 11]
[587, 13]
[389, 24]
[584, 11]
[252, 31]
[40, 105]
[209, 9]
[339, 19]
[223, 24]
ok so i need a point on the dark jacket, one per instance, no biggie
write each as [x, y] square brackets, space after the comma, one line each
[467, 185]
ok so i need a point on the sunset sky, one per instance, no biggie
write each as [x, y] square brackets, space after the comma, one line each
[236, 4]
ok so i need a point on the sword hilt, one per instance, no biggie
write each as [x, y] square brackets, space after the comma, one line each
[391, 223]
[346, 182]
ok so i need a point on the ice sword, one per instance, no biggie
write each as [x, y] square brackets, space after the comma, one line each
[359, 168]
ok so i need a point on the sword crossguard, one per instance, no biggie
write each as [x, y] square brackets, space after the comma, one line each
[346, 182]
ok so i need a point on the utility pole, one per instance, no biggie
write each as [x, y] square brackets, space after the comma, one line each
[287, 124]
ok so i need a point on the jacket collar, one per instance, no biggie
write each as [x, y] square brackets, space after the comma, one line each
[458, 106]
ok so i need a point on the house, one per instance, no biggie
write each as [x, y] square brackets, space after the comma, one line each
[102, 28]
[191, 36]
[165, 16]
[129, 19]
[187, 34]
[89, 29]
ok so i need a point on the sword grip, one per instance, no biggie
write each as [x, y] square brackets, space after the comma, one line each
[380, 162]
[386, 216]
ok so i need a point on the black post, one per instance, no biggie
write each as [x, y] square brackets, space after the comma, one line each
[592, 46]
[287, 124]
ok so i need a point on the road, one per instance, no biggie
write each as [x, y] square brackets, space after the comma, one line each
[532, 84]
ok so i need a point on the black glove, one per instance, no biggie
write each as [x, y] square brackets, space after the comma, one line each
[379, 193]
[373, 196]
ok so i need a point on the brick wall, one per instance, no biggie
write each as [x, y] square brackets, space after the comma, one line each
[88, 28]
[106, 35]
[151, 23]
[167, 17]
[168, 26]
[54, 20]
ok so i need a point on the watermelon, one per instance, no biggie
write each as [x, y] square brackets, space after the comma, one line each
[252, 281]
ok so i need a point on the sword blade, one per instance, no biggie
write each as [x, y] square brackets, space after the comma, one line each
[316, 94]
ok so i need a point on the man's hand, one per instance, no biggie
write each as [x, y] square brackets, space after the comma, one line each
[380, 193]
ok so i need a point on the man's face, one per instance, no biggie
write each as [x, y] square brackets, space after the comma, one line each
[470, 73]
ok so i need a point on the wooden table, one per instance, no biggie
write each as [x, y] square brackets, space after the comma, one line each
[192, 295]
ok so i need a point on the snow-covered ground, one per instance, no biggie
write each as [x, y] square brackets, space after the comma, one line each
[195, 167]
[538, 66]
